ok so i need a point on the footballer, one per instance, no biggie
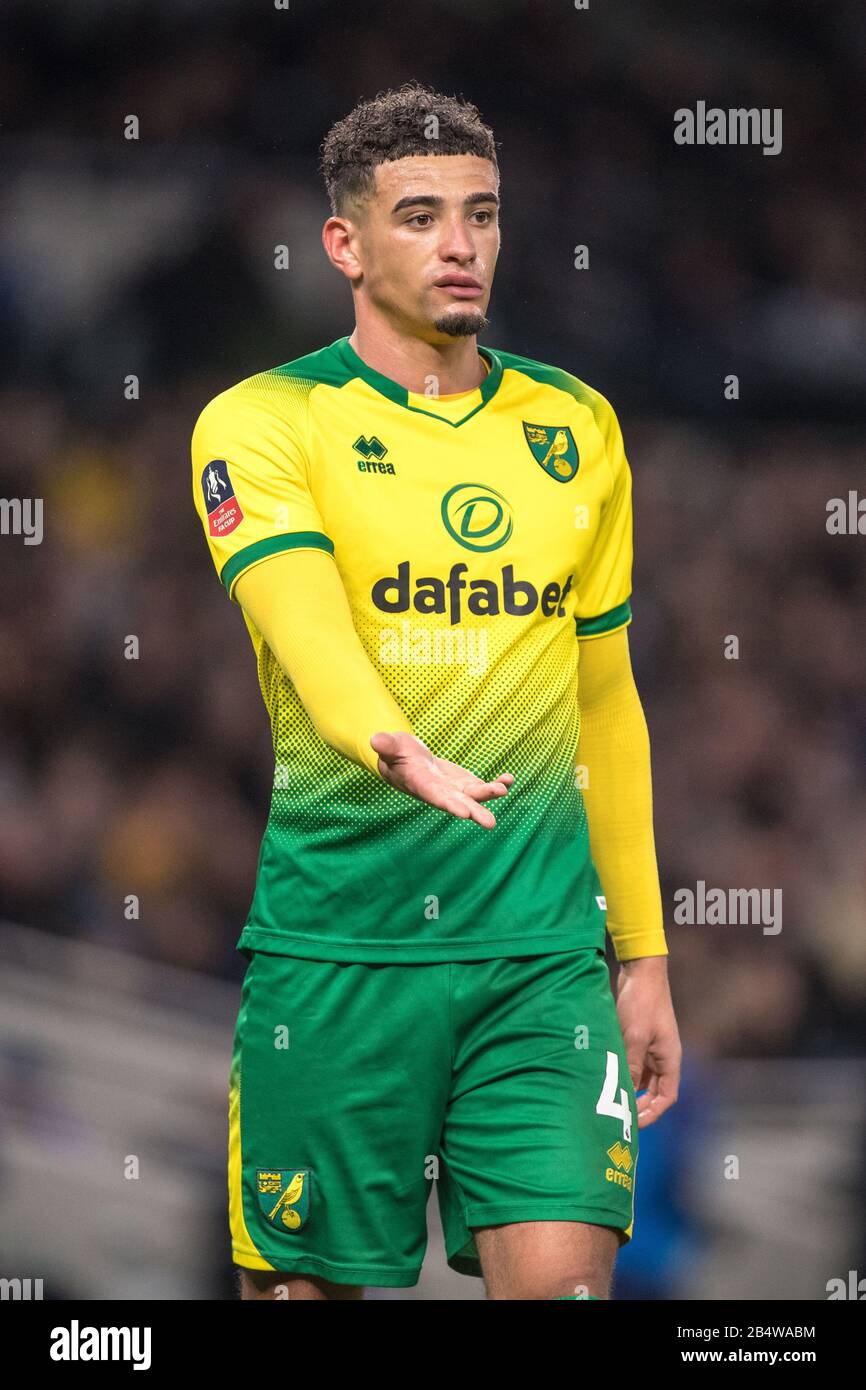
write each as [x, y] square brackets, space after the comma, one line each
[431, 545]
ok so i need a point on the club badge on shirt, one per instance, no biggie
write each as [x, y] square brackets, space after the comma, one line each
[224, 511]
[553, 447]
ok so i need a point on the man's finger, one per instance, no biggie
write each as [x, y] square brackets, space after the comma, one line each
[635, 1056]
[462, 803]
[482, 791]
[660, 1097]
[446, 798]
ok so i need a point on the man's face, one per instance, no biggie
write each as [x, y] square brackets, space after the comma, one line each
[427, 243]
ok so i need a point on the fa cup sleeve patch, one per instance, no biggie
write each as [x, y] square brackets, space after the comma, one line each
[223, 508]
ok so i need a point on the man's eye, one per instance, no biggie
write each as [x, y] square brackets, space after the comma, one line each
[419, 215]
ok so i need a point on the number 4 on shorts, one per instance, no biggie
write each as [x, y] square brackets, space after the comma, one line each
[607, 1102]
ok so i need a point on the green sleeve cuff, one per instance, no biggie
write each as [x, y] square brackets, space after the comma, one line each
[272, 545]
[605, 622]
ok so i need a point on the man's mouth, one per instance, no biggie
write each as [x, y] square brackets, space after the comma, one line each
[460, 286]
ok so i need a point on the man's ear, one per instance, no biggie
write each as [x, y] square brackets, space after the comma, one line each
[339, 238]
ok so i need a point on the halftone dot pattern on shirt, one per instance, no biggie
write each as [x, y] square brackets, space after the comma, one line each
[350, 868]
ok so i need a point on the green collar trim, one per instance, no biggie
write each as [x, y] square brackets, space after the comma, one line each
[356, 366]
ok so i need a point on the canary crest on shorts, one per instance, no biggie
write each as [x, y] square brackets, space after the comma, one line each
[284, 1196]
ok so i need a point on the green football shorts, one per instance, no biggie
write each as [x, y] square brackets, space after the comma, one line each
[355, 1086]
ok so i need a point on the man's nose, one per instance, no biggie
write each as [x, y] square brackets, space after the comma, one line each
[458, 241]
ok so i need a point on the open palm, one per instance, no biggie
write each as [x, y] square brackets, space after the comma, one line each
[407, 764]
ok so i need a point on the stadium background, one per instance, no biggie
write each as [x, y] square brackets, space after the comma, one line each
[155, 257]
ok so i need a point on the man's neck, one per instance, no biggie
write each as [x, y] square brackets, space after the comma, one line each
[411, 362]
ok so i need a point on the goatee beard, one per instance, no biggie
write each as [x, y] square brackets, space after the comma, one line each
[461, 325]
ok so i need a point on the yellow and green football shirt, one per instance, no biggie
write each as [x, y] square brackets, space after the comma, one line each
[478, 537]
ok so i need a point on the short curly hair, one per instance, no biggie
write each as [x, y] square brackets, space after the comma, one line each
[413, 119]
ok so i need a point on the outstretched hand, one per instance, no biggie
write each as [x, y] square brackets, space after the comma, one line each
[407, 764]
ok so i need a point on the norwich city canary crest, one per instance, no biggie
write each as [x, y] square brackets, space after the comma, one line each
[284, 1196]
[554, 448]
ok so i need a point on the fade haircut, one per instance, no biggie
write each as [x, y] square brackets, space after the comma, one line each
[391, 126]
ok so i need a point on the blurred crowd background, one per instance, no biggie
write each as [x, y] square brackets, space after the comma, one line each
[154, 258]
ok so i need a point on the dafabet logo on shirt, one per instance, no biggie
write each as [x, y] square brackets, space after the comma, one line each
[477, 517]
[223, 508]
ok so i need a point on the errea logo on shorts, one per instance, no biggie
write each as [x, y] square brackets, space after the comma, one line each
[620, 1172]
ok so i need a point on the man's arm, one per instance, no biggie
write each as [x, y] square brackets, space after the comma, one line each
[270, 547]
[614, 749]
[298, 603]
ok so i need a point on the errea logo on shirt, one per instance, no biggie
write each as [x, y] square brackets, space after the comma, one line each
[372, 453]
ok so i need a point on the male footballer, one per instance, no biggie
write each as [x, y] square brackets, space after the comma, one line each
[431, 545]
